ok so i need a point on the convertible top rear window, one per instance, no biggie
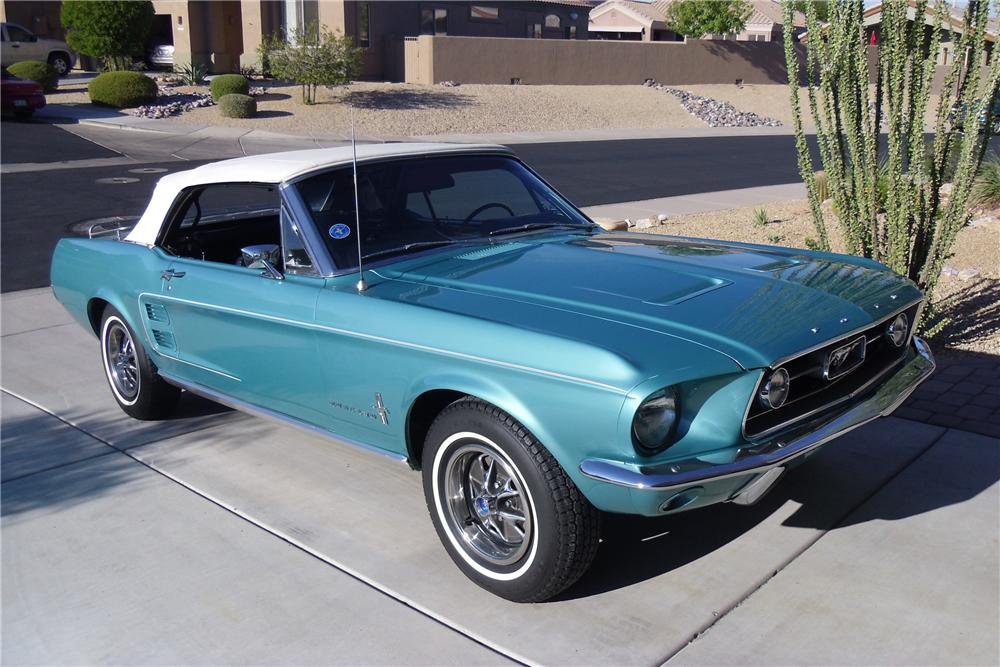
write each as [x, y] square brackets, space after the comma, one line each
[414, 204]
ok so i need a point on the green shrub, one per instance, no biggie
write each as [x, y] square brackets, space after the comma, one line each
[191, 74]
[761, 217]
[112, 30]
[122, 89]
[235, 105]
[229, 84]
[41, 73]
[986, 187]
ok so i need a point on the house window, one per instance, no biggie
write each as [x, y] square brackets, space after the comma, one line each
[535, 30]
[553, 21]
[570, 32]
[434, 22]
[757, 37]
[484, 13]
[363, 25]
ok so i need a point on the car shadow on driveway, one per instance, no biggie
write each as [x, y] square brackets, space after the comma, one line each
[826, 493]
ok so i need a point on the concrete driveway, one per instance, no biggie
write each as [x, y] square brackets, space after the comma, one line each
[215, 537]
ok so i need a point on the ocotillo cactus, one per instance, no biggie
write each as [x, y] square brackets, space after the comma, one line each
[886, 190]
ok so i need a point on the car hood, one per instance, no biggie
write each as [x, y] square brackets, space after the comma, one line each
[754, 304]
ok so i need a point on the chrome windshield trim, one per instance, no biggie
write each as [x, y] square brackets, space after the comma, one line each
[296, 209]
[256, 410]
[754, 459]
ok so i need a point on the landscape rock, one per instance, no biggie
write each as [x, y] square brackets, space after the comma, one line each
[949, 271]
[968, 274]
[448, 84]
[714, 112]
[646, 223]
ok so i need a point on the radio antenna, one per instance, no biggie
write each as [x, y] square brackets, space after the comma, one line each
[362, 285]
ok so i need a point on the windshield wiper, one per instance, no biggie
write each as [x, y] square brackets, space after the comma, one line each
[406, 248]
[538, 225]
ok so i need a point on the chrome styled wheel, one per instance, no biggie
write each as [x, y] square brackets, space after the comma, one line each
[505, 510]
[135, 384]
[120, 361]
[486, 505]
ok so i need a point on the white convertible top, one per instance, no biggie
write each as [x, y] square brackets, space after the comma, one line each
[275, 168]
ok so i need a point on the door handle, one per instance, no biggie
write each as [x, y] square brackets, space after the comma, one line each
[171, 273]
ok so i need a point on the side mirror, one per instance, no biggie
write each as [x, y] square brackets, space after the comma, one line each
[264, 256]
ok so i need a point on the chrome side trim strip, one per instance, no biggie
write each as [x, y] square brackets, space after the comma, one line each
[198, 366]
[390, 341]
[258, 411]
[754, 459]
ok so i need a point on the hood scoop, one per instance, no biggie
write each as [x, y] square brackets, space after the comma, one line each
[490, 251]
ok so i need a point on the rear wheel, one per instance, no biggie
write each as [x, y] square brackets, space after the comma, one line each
[506, 512]
[133, 379]
[60, 63]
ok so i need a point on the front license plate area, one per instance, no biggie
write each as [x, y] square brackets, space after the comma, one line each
[20, 103]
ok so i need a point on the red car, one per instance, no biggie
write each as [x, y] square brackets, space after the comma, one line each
[19, 96]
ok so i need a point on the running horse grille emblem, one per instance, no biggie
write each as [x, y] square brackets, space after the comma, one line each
[844, 359]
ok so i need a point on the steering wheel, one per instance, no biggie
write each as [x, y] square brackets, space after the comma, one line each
[484, 207]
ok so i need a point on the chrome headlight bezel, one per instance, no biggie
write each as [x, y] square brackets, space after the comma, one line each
[774, 394]
[655, 421]
[898, 330]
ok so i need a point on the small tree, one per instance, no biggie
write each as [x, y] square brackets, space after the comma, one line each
[694, 18]
[891, 208]
[112, 30]
[312, 57]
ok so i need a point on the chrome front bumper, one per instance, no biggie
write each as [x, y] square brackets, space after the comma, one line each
[757, 459]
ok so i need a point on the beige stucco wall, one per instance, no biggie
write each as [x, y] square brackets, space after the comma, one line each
[543, 61]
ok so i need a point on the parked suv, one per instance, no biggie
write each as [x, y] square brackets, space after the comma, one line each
[17, 43]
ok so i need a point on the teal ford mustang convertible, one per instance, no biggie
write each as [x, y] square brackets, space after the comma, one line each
[536, 368]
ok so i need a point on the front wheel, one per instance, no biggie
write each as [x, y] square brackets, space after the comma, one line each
[137, 387]
[506, 512]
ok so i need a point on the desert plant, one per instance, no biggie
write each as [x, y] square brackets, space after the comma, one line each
[694, 18]
[760, 217]
[112, 30]
[191, 74]
[313, 56]
[901, 222]
[122, 89]
[236, 105]
[986, 187]
[822, 190]
[41, 73]
[776, 239]
[229, 84]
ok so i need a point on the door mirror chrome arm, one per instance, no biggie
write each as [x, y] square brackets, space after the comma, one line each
[269, 270]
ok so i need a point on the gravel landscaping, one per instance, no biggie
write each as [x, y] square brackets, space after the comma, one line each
[968, 292]
[400, 110]
[715, 113]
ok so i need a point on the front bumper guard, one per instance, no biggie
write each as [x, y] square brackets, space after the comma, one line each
[759, 459]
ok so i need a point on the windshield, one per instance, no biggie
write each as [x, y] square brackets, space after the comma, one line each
[413, 205]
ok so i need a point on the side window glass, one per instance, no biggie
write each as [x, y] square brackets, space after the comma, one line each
[18, 34]
[293, 249]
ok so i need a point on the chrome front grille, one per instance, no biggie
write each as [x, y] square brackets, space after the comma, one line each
[814, 390]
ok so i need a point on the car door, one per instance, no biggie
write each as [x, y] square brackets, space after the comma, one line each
[242, 331]
[20, 44]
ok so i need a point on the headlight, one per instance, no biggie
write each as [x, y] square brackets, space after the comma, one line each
[775, 390]
[897, 329]
[654, 421]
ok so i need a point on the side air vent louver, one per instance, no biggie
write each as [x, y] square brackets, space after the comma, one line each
[163, 339]
[483, 253]
[155, 312]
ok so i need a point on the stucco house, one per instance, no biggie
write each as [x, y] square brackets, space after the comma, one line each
[642, 20]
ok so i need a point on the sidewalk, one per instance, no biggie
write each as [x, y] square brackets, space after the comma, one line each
[217, 537]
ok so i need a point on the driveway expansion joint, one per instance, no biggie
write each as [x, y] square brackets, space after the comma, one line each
[799, 552]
